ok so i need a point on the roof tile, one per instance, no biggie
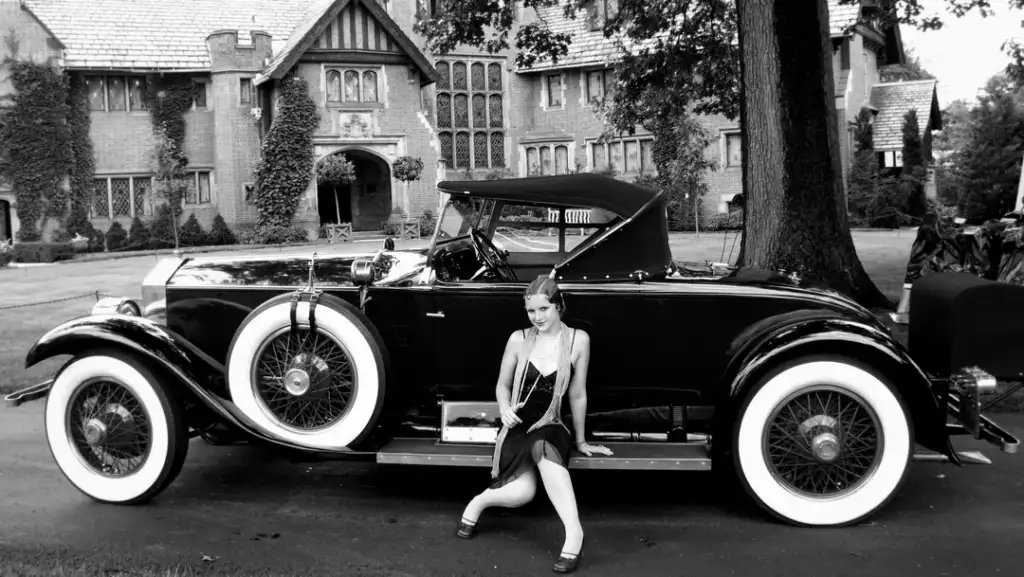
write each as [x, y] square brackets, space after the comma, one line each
[841, 17]
[895, 99]
[591, 48]
[164, 34]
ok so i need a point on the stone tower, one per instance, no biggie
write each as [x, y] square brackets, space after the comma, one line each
[238, 118]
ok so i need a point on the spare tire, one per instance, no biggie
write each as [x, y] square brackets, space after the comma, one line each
[315, 382]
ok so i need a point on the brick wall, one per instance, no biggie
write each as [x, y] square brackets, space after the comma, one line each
[236, 142]
[123, 144]
[724, 182]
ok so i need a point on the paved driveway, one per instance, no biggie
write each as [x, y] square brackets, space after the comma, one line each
[255, 513]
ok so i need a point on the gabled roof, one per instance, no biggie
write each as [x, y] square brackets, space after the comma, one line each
[56, 39]
[157, 34]
[842, 17]
[588, 47]
[591, 48]
[895, 99]
[316, 20]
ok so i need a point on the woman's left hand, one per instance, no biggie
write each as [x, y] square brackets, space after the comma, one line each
[589, 450]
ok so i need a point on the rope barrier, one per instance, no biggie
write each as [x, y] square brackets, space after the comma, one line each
[95, 294]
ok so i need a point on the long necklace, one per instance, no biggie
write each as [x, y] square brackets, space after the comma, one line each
[551, 349]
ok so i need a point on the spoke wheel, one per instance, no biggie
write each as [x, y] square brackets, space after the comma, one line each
[823, 442]
[313, 381]
[304, 379]
[109, 427]
[116, 427]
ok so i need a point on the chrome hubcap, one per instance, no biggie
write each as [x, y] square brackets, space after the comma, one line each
[108, 427]
[296, 382]
[825, 447]
[822, 442]
[95, 432]
[304, 380]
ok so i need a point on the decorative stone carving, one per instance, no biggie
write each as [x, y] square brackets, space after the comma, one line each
[356, 125]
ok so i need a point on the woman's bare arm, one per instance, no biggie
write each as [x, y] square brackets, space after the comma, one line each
[578, 386]
[509, 360]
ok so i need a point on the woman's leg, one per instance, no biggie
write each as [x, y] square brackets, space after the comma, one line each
[559, 488]
[515, 494]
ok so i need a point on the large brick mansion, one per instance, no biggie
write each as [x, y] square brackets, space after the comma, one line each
[380, 95]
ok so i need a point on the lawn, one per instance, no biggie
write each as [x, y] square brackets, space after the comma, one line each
[883, 253]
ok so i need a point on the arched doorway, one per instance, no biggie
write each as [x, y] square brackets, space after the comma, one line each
[5, 221]
[366, 203]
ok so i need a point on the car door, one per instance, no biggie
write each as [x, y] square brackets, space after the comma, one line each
[645, 353]
[471, 322]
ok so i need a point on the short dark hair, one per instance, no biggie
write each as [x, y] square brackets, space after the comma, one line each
[545, 285]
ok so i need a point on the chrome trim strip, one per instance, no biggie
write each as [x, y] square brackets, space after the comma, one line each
[966, 457]
[646, 456]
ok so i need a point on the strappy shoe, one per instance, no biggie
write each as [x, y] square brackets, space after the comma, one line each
[466, 529]
[566, 564]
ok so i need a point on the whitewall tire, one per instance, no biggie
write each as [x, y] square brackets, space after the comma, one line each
[822, 442]
[321, 391]
[114, 429]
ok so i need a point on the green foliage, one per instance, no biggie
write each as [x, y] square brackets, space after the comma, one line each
[35, 144]
[220, 234]
[914, 173]
[116, 237]
[910, 70]
[192, 233]
[335, 170]
[984, 171]
[138, 235]
[83, 165]
[407, 168]
[163, 233]
[286, 166]
[37, 252]
[6, 253]
[679, 153]
[274, 234]
[873, 198]
[170, 179]
[169, 97]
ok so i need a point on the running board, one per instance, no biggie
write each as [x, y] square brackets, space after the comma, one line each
[966, 457]
[644, 456]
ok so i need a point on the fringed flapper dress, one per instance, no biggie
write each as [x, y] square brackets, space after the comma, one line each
[522, 448]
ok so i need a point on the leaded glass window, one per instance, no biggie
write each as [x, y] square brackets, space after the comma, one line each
[120, 193]
[352, 85]
[470, 113]
[547, 159]
[142, 190]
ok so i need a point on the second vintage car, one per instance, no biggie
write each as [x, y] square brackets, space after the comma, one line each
[393, 355]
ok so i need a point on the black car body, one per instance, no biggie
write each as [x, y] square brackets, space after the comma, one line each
[393, 355]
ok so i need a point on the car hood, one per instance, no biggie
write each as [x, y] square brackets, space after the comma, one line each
[267, 270]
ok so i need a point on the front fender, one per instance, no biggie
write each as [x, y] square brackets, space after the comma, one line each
[203, 375]
[826, 334]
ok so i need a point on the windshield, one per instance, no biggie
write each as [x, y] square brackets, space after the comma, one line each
[462, 214]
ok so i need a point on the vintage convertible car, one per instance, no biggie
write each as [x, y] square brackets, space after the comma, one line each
[797, 392]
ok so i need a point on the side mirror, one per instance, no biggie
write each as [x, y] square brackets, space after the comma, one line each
[389, 243]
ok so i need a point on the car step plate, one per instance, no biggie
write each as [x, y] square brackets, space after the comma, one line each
[646, 456]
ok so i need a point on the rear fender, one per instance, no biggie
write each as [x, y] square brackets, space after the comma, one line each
[809, 334]
[203, 377]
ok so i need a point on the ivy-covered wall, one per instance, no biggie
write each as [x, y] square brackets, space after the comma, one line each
[36, 143]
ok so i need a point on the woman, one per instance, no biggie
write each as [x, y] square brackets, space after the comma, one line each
[540, 365]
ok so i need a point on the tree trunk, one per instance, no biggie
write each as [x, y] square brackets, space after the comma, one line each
[792, 173]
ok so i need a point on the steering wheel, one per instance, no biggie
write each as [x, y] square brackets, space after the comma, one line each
[491, 257]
